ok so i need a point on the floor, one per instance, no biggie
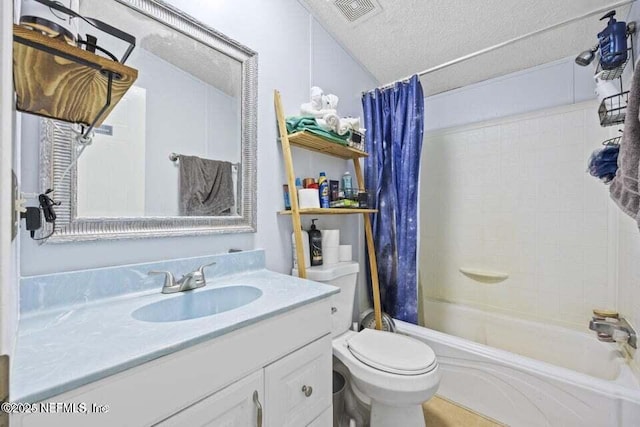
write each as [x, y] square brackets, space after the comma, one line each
[439, 412]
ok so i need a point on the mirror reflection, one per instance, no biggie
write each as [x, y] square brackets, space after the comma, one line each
[172, 146]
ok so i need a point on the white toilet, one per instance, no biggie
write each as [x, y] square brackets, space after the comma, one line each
[392, 373]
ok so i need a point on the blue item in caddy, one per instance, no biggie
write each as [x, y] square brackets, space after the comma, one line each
[613, 43]
[603, 163]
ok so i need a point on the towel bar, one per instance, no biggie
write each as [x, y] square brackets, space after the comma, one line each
[175, 157]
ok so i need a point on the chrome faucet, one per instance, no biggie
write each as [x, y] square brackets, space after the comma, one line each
[189, 281]
[614, 329]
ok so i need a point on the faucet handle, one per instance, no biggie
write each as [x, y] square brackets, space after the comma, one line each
[605, 313]
[198, 275]
[202, 267]
[169, 280]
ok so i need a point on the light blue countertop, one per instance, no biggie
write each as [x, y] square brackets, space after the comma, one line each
[67, 347]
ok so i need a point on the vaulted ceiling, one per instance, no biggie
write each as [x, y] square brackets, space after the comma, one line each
[402, 37]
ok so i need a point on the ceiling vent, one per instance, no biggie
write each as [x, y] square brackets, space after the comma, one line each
[357, 10]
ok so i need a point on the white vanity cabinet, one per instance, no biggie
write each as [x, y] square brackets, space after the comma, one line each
[297, 387]
[236, 405]
[285, 360]
[290, 392]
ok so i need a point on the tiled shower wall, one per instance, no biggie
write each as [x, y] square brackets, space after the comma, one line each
[511, 195]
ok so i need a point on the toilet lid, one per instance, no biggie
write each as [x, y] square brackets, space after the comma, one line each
[393, 353]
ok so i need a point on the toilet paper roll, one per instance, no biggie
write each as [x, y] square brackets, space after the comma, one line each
[308, 198]
[330, 255]
[330, 238]
[345, 253]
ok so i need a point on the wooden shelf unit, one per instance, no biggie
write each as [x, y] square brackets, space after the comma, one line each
[315, 143]
[57, 80]
[310, 141]
[329, 211]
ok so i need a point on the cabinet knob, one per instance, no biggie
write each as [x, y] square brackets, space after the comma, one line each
[307, 390]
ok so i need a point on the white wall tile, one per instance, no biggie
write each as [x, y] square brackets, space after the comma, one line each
[522, 202]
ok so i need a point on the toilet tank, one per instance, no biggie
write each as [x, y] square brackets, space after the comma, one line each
[344, 275]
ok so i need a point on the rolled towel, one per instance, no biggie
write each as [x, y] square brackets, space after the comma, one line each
[307, 109]
[353, 123]
[343, 128]
[333, 121]
[324, 125]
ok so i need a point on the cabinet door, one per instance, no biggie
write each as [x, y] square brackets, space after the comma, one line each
[324, 420]
[298, 386]
[234, 406]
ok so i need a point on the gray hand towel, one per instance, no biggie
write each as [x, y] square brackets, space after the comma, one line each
[624, 187]
[206, 187]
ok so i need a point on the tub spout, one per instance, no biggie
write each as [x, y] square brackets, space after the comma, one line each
[618, 330]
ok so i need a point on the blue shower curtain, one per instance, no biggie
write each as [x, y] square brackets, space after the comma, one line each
[394, 119]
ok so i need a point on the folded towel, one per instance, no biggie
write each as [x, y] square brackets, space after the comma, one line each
[624, 187]
[206, 187]
[308, 123]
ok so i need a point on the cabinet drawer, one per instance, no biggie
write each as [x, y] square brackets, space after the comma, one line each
[233, 406]
[298, 386]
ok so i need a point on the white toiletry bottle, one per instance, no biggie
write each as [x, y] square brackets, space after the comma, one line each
[305, 249]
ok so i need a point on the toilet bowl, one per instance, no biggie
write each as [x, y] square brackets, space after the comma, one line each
[391, 373]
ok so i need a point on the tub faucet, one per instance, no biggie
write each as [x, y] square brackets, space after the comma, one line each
[189, 281]
[612, 329]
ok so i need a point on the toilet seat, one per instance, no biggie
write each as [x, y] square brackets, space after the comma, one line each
[392, 353]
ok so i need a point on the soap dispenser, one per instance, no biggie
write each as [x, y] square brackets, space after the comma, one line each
[315, 244]
[613, 42]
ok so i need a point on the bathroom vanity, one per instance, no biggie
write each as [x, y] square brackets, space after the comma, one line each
[266, 363]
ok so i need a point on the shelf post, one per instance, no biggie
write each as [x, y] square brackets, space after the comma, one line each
[291, 182]
[371, 250]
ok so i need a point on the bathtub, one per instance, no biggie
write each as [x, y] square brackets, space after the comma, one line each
[526, 373]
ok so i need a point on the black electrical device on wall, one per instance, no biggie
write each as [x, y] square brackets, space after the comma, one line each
[33, 215]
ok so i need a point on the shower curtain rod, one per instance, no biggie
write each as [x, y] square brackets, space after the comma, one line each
[505, 43]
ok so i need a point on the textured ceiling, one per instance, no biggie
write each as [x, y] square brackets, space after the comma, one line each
[409, 36]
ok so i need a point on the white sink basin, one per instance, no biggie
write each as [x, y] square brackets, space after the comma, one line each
[193, 305]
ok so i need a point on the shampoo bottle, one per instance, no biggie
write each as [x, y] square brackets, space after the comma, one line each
[324, 190]
[305, 249]
[315, 244]
[346, 184]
